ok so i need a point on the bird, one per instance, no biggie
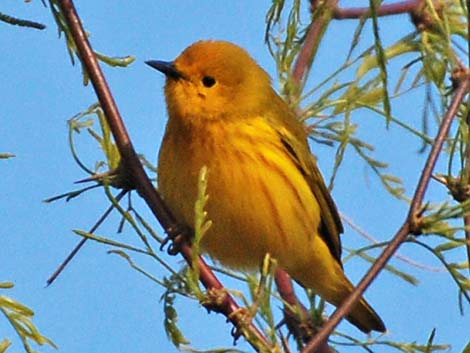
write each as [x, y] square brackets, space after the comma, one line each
[266, 194]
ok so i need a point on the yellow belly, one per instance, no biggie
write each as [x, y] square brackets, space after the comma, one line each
[259, 202]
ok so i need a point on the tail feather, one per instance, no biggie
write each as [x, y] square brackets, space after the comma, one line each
[362, 315]
[335, 287]
[365, 318]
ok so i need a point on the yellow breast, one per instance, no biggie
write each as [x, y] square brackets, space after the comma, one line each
[258, 200]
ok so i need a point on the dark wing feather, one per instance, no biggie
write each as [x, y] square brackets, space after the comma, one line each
[331, 225]
[294, 140]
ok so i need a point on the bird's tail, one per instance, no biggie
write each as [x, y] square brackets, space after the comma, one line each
[335, 290]
[362, 315]
[365, 318]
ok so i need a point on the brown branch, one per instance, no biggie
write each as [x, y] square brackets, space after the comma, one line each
[312, 41]
[459, 95]
[298, 321]
[410, 226]
[384, 10]
[142, 183]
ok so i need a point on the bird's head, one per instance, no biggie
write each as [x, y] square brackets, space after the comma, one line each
[214, 80]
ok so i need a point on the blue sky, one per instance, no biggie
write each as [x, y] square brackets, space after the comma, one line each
[99, 304]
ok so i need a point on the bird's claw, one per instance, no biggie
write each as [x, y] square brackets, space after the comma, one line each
[177, 235]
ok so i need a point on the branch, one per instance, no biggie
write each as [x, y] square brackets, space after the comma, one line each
[139, 178]
[459, 95]
[322, 16]
[411, 225]
[299, 324]
[384, 10]
[20, 22]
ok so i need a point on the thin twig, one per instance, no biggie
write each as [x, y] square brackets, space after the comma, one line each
[82, 242]
[142, 183]
[20, 22]
[410, 226]
[403, 258]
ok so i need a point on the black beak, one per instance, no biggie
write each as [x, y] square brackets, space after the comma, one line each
[166, 67]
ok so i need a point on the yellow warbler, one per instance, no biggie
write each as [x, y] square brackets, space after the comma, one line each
[266, 194]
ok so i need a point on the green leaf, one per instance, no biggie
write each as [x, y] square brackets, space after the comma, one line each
[170, 322]
[116, 61]
[4, 345]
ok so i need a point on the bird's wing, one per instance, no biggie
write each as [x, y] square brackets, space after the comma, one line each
[294, 140]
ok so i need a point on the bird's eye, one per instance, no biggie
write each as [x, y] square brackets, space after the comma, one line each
[208, 81]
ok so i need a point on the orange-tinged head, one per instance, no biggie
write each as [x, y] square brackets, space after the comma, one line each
[214, 80]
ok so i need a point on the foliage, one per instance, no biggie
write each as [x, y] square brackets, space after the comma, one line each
[20, 317]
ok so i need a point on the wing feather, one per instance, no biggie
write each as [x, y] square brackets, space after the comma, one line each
[294, 140]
